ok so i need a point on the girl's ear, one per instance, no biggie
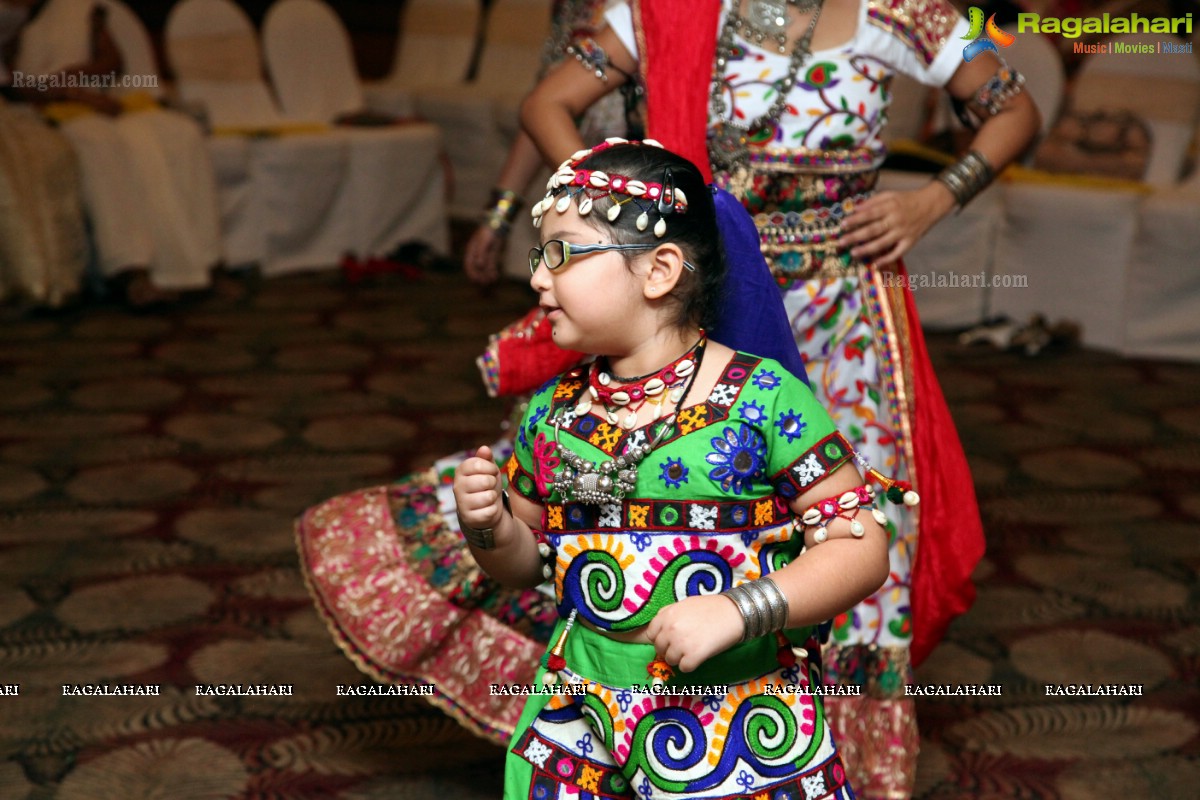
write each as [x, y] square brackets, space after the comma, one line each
[666, 265]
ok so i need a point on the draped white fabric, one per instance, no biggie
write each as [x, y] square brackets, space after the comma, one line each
[147, 178]
[1162, 306]
[310, 60]
[43, 244]
[480, 117]
[950, 267]
[305, 193]
[434, 50]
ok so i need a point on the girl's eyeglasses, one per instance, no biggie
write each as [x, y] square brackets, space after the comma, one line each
[556, 253]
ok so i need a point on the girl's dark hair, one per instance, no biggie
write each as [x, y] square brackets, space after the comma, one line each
[695, 231]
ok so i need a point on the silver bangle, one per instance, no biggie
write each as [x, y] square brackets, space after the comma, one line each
[763, 606]
[482, 538]
[966, 177]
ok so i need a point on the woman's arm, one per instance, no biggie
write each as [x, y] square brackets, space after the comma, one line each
[886, 226]
[482, 256]
[549, 112]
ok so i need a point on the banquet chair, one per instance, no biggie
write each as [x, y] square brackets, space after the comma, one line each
[394, 168]
[480, 119]
[1162, 288]
[298, 210]
[133, 41]
[310, 61]
[434, 49]
[1162, 90]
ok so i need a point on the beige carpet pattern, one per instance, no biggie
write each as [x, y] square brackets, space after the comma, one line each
[151, 467]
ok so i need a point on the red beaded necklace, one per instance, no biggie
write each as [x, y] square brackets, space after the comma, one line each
[632, 393]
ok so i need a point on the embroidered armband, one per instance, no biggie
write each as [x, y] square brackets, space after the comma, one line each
[814, 464]
[991, 98]
[594, 57]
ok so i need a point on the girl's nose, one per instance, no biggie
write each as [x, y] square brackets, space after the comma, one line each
[539, 281]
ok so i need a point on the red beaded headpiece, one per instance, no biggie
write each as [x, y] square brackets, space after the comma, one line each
[585, 185]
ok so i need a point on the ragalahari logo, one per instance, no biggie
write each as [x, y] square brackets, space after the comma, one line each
[991, 33]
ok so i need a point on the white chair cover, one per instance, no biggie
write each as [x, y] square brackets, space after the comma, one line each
[479, 118]
[214, 54]
[1162, 89]
[395, 187]
[1071, 245]
[311, 61]
[137, 53]
[1162, 308]
[434, 49]
[512, 46]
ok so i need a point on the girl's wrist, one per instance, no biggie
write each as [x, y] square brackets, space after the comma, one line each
[485, 538]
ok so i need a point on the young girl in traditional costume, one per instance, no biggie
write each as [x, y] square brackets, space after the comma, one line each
[697, 511]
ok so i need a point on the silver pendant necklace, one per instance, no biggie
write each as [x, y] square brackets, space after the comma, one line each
[583, 481]
[728, 145]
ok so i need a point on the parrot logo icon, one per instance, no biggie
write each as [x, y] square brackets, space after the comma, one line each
[990, 33]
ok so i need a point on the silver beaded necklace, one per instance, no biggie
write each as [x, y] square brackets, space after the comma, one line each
[727, 146]
[768, 19]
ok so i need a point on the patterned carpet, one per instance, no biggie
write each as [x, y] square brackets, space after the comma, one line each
[151, 466]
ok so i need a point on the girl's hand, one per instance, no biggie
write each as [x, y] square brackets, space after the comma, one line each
[693, 630]
[482, 257]
[477, 491]
[885, 226]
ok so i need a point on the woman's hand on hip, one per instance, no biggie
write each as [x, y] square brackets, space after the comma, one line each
[885, 226]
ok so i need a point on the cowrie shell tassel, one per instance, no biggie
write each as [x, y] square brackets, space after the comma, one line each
[643, 221]
[563, 203]
[614, 212]
[660, 228]
[585, 206]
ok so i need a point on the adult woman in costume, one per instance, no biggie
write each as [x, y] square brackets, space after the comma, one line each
[790, 123]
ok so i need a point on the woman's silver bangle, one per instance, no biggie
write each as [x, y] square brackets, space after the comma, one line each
[967, 177]
[763, 606]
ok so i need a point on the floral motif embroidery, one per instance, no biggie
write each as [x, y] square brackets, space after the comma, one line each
[739, 456]
[544, 463]
[536, 752]
[767, 380]
[791, 425]
[752, 412]
[674, 473]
